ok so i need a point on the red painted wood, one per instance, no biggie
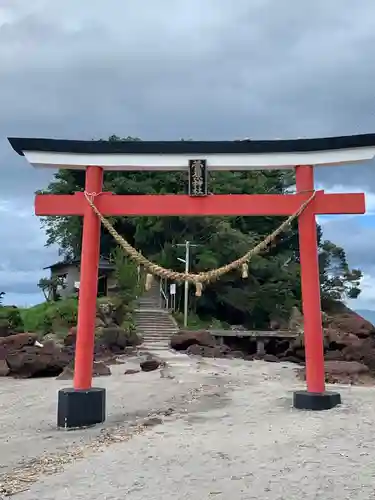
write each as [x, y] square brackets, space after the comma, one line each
[59, 204]
[308, 248]
[183, 205]
[84, 352]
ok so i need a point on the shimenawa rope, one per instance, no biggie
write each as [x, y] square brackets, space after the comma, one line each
[199, 278]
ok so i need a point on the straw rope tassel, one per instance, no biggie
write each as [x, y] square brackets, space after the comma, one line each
[245, 270]
[149, 281]
[198, 289]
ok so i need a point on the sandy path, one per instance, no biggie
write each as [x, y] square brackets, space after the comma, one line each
[235, 436]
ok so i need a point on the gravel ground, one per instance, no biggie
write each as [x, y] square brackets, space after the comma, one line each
[230, 433]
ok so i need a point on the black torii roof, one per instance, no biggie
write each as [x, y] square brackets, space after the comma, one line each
[246, 146]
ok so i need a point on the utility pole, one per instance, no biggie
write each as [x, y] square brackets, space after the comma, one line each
[186, 261]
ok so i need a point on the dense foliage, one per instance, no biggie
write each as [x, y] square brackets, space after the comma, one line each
[10, 319]
[273, 286]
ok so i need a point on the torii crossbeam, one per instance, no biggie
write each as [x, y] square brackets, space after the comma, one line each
[85, 405]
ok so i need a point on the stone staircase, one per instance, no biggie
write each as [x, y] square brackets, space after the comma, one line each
[153, 322]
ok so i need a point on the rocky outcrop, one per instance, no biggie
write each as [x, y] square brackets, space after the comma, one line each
[21, 355]
[149, 365]
[349, 344]
[184, 339]
[99, 369]
[109, 340]
[209, 351]
[25, 357]
[4, 368]
[346, 320]
[345, 372]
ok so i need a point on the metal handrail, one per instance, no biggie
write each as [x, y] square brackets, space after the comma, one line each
[163, 294]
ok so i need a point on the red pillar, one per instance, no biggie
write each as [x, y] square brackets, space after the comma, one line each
[313, 330]
[88, 285]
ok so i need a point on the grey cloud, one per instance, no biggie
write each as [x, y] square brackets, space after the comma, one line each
[202, 70]
[22, 256]
[172, 69]
[358, 241]
[256, 69]
[26, 283]
[23, 299]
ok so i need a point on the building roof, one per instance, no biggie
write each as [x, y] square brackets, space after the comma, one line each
[175, 155]
[104, 264]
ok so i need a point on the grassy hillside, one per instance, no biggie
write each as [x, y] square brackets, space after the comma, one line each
[50, 316]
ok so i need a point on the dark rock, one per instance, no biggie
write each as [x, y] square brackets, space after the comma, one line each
[49, 347]
[181, 341]
[131, 371]
[271, 358]
[345, 372]
[25, 359]
[195, 350]
[364, 353]
[109, 336]
[225, 350]
[32, 361]
[4, 368]
[348, 367]
[210, 352]
[339, 338]
[66, 374]
[291, 359]
[249, 357]
[111, 360]
[3, 352]
[18, 341]
[152, 421]
[300, 354]
[334, 356]
[70, 339]
[102, 352]
[217, 351]
[149, 365]
[346, 320]
[235, 354]
[109, 313]
[99, 369]
[117, 337]
[108, 339]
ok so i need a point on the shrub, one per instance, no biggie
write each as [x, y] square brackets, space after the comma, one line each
[10, 317]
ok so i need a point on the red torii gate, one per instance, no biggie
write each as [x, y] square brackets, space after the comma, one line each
[85, 405]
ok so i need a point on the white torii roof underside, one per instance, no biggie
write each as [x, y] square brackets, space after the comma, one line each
[162, 162]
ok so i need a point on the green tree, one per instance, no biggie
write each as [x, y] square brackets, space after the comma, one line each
[127, 277]
[338, 281]
[51, 286]
[273, 286]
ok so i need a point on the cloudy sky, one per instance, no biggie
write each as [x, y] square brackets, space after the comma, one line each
[166, 69]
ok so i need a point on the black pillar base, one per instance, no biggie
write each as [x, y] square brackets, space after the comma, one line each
[79, 408]
[304, 400]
